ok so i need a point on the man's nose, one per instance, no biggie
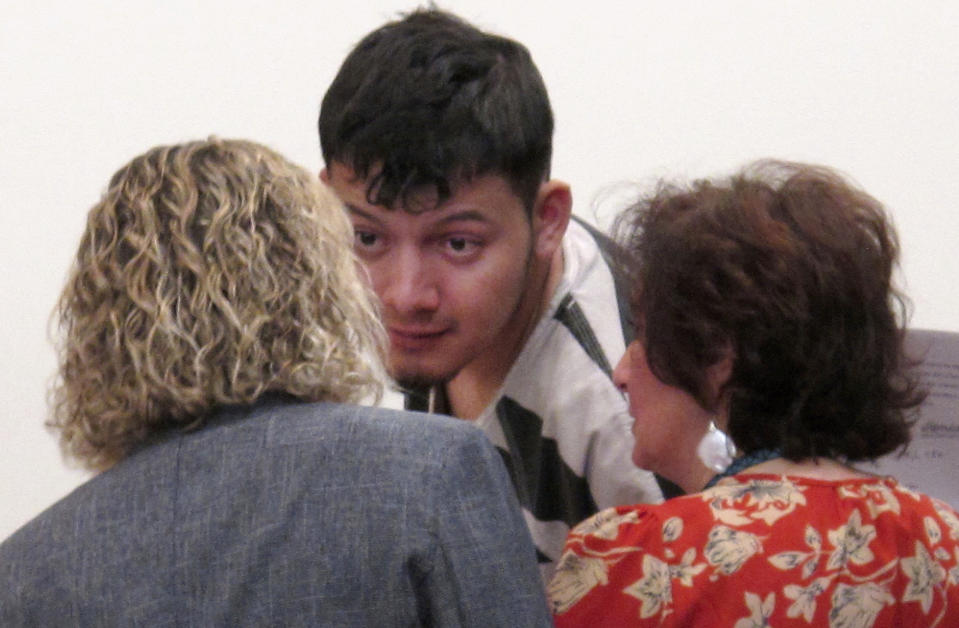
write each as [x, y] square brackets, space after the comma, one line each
[409, 283]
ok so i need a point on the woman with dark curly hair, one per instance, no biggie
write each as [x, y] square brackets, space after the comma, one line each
[764, 308]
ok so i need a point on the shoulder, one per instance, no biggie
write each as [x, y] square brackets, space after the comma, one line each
[581, 236]
[936, 517]
[294, 423]
[948, 515]
[629, 523]
[609, 523]
[23, 543]
[373, 437]
[586, 255]
[39, 561]
[589, 303]
[610, 550]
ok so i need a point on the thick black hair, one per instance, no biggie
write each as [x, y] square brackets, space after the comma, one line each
[428, 101]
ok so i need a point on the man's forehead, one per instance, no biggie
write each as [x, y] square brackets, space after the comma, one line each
[422, 198]
[414, 200]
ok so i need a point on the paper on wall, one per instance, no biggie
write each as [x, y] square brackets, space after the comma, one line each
[931, 462]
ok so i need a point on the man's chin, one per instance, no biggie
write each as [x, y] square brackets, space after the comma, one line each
[417, 379]
[424, 371]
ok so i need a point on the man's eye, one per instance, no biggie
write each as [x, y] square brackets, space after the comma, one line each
[462, 247]
[365, 238]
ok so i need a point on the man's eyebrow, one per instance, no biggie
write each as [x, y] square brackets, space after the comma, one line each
[471, 215]
[466, 215]
[353, 209]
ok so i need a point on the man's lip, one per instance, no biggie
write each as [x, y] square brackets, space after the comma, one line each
[414, 339]
[415, 332]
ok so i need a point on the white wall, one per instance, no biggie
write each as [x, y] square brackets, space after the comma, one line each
[640, 89]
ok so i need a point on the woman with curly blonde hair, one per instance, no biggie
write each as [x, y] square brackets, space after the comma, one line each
[210, 274]
[217, 332]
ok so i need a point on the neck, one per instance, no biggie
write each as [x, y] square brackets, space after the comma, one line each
[769, 462]
[684, 467]
[818, 469]
[477, 383]
[745, 462]
[696, 477]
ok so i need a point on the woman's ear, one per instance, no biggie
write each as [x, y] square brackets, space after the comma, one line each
[717, 377]
[551, 212]
[719, 373]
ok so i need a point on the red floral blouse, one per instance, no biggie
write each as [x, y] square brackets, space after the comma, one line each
[765, 550]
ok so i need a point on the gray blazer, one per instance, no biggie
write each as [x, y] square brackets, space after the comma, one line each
[285, 514]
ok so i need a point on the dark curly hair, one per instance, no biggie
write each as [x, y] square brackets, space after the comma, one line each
[429, 100]
[788, 268]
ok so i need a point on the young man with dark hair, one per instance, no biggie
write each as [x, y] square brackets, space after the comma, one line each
[500, 310]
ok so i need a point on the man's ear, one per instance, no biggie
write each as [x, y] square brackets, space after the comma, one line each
[551, 212]
[325, 176]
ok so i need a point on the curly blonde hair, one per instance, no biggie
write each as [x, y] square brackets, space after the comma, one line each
[210, 273]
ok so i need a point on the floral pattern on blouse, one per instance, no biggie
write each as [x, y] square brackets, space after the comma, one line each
[762, 550]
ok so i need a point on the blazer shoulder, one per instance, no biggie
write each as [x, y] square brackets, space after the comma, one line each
[377, 431]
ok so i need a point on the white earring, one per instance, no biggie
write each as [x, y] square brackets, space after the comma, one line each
[716, 449]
